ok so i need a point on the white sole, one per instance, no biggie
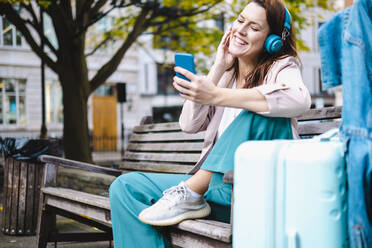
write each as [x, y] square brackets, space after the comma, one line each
[196, 214]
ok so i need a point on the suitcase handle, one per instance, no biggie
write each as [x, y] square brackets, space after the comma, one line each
[292, 239]
[327, 136]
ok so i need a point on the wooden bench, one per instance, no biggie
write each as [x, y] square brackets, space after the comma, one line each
[159, 147]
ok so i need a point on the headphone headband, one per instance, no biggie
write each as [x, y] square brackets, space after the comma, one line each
[287, 24]
[287, 21]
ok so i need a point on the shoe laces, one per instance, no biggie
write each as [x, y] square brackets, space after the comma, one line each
[175, 193]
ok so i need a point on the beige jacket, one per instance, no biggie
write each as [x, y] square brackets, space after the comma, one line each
[283, 88]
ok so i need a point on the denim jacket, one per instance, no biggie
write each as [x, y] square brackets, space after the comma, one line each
[346, 55]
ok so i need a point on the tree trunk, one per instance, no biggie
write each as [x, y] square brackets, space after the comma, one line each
[75, 130]
[73, 75]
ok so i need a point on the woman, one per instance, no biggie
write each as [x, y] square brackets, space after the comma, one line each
[253, 91]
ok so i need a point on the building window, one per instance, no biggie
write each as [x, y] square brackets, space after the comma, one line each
[165, 79]
[12, 101]
[10, 36]
[53, 102]
[105, 90]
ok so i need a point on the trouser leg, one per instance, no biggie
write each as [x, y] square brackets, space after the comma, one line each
[129, 195]
[219, 198]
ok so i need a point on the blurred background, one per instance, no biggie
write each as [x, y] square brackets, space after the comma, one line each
[119, 60]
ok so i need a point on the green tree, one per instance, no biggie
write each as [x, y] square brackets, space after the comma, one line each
[71, 22]
[180, 21]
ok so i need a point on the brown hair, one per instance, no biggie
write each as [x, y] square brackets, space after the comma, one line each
[275, 16]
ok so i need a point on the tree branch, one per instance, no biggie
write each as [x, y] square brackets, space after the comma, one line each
[37, 27]
[142, 23]
[93, 18]
[7, 10]
[56, 12]
[103, 42]
[84, 8]
[95, 9]
[170, 28]
[30, 9]
[64, 29]
[66, 8]
[181, 12]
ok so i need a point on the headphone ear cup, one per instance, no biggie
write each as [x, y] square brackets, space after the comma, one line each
[273, 43]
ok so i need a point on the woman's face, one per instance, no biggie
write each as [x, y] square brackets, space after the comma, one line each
[249, 32]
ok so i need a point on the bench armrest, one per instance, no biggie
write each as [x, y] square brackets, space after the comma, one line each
[228, 177]
[48, 159]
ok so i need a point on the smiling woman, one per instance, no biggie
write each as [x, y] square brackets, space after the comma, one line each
[252, 92]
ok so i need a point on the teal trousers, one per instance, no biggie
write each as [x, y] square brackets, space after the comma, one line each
[133, 192]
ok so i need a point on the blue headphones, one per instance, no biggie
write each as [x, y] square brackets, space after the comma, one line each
[273, 42]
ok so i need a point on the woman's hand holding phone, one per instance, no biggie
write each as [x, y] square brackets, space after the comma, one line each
[199, 89]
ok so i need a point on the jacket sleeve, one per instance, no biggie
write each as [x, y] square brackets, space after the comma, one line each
[285, 92]
[195, 117]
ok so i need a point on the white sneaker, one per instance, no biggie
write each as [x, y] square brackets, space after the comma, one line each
[176, 205]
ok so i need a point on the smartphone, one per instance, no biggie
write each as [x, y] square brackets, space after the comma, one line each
[186, 61]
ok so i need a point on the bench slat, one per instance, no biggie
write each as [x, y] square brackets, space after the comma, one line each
[155, 167]
[162, 157]
[157, 127]
[323, 113]
[78, 196]
[311, 129]
[78, 165]
[179, 147]
[215, 223]
[208, 229]
[312, 114]
[191, 240]
[87, 211]
[163, 137]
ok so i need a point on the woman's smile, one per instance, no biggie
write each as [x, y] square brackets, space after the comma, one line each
[239, 42]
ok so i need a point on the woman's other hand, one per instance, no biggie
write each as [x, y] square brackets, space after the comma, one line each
[224, 59]
[199, 89]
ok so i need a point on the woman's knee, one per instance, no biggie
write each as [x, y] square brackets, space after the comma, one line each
[119, 184]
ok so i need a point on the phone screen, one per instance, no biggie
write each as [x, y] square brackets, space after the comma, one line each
[186, 61]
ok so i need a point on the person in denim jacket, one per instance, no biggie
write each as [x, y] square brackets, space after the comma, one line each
[345, 46]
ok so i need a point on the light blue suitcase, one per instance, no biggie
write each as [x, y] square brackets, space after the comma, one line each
[290, 194]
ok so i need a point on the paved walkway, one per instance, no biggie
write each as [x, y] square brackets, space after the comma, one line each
[64, 225]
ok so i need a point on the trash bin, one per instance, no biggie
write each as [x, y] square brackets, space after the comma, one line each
[22, 182]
